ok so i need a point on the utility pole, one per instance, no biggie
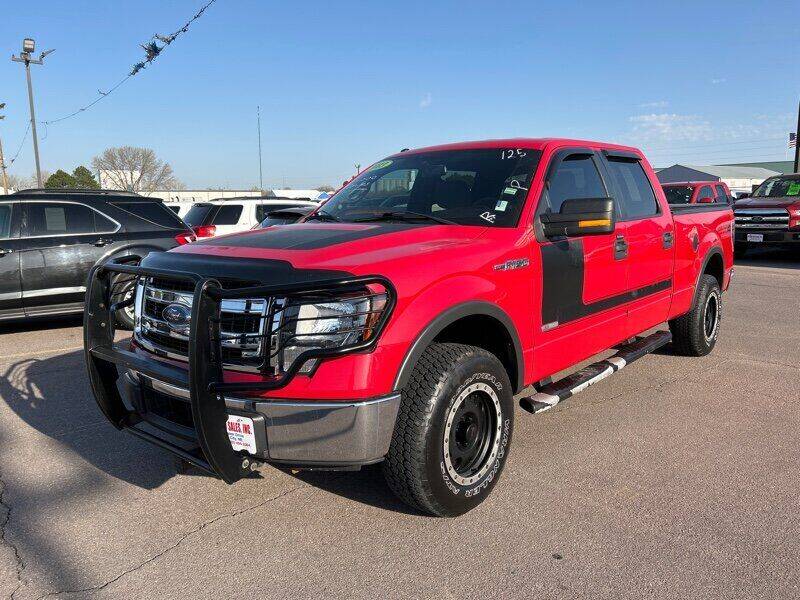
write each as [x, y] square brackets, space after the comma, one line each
[28, 46]
[797, 143]
[260, 173]
[2, 160]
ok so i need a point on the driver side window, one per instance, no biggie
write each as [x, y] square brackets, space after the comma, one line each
[574, 177]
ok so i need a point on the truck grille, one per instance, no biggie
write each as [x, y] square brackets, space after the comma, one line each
[762, 218]
[243, 324]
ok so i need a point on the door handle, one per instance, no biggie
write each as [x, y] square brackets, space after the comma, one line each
[668, 239]
[4, 251]
[102, 242]
[620, 248]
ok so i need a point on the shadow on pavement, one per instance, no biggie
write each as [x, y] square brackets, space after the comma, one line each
[53, 396]
[41, 324]
[366, 486]
[779, 258]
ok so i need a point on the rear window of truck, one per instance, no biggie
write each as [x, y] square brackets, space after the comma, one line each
[678, 194]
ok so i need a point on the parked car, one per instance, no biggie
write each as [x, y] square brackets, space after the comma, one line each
[698, 192]
[770, 216]
[231, 215]
[285, 216]
[398, 321]
[50, 240]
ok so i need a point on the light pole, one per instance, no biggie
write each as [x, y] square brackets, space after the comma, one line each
[2, 160]
[28, 46]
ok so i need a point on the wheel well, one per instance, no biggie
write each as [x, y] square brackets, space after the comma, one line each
[484, 332]
[715, 268]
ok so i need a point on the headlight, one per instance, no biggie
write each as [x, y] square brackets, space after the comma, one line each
[325, 325]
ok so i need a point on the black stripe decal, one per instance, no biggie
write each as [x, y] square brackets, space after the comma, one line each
[562, 286]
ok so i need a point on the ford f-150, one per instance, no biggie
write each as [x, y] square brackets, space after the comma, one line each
[399, 320]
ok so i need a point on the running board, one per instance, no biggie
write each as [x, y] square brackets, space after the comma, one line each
[558, 391]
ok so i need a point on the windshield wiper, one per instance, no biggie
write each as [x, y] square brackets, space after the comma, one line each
[322, 215]
[404, 215]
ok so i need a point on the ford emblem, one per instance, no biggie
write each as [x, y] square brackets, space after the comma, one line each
[177, 316]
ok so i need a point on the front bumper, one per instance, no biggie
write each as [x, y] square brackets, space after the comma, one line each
[304, 434]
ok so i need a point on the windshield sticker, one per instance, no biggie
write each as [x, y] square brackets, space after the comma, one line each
[380, 165]
[794, 189]
[512, 153]
[510, 190]
[501, 205]
[487, 216]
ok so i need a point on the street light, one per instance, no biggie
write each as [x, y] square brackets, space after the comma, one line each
[2, 161]
[28, 46]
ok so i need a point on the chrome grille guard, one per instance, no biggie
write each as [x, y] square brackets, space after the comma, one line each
[204, 376]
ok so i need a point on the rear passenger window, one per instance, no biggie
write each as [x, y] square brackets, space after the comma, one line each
[228, 214]
[721, 196]
[46, 218]
[5, 221]
[153, 212]
[103, 224]
[575, 177]
[637, 199]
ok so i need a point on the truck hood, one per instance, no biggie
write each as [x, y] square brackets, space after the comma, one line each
[357, 248]
[784, 202]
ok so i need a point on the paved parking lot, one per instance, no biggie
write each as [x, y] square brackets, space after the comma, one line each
[677, 478]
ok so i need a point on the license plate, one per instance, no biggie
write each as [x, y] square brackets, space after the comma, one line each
[241, 433]
[755, 237]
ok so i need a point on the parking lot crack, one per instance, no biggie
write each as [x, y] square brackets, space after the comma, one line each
[168, 549]
[4, 523]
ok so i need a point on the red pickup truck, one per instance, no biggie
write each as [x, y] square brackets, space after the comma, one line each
[697, 192]
[398, 321]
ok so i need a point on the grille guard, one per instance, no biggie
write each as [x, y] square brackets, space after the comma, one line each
[204, 377]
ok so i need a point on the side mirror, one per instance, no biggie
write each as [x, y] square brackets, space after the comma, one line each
[581, 216]
[743, 196]
[706, 200]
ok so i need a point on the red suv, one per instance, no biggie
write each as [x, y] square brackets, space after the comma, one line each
[398, 321]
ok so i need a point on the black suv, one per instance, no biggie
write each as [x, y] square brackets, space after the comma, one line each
[50, 239]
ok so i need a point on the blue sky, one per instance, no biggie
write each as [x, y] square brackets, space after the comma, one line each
[347, 82]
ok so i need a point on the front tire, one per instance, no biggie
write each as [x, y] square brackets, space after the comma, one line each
[453, 430]
[695, 333]
[124, 288]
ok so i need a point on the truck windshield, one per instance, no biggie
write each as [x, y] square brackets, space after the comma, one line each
[778, 187]
[467, 187]
[678, 194]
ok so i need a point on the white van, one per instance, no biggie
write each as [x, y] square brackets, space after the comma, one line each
[230, 215]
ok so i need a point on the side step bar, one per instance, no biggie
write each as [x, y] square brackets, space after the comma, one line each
[551, 394]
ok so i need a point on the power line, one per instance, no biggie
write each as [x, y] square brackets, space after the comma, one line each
[152, 51]
[22, 143]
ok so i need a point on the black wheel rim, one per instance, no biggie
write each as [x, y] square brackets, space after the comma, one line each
[711, 316]
[471, 434]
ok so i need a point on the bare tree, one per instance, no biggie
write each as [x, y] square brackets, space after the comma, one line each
[26, 183]
[135, 170]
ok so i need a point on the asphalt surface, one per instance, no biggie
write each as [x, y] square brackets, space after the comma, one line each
[676, 478]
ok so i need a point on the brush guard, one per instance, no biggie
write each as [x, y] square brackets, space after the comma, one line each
[204, 376]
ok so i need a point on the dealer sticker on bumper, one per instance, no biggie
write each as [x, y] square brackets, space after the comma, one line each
[241, 433]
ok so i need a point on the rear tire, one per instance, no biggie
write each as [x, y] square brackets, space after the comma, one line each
[695, 333]
[453, 430]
